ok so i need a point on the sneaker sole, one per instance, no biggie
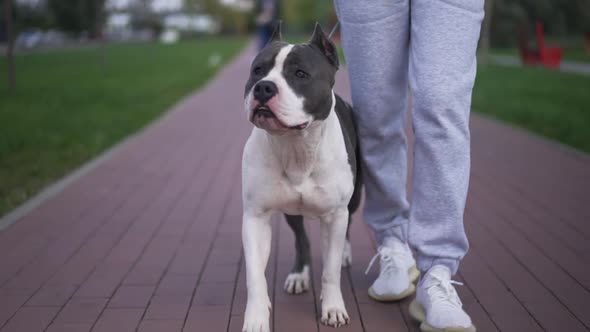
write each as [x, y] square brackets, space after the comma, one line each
[417, 312]
[414, 274]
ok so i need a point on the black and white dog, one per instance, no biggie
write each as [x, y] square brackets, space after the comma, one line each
[301, 160]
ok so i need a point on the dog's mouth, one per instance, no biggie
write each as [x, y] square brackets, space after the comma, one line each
[264, 111]
[265, 118]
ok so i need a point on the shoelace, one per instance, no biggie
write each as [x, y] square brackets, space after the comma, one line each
[443, 291]
[388, 258]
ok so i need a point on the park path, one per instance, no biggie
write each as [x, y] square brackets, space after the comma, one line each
[150, 239]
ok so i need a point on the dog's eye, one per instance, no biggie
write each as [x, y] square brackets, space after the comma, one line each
[257, 71]
[301, 74]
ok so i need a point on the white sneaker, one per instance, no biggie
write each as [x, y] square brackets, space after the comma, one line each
[437, 306]
[397, 271]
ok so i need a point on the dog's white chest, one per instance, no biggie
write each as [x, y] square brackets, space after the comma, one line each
[318, 193]
[292, 182]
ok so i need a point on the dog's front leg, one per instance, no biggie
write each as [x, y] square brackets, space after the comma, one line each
[256, 239]
[333, 233]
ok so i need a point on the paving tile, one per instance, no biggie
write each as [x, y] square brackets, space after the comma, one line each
[214, 294]
[81, 310]
[31, 319]
[132, 296]
[226, 257]
[144, 276]
[168, 307]
[17, 291]
[215, 318]
[220, 273]
[160, 326]
[104, 280]
[69, 327]
[174, 284]
[188, 261]
[52, 295]
[118, 319]
[9, 304]
[160, 251]
[236, 323]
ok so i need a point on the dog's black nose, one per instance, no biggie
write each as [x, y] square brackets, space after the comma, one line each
[264, 90]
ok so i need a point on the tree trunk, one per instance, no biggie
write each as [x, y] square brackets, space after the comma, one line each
[484, 46]
[10, 49]
[98, 34]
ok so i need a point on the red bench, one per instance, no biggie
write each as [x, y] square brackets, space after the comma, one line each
[548, 56]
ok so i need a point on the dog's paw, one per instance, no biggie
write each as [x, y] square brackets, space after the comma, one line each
[347, 254]
[257, 318]
[256, 325]
[333, 311]
[334, 316]
[297, 282]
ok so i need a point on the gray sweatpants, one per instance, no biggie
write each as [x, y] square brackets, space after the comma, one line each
[430, 45]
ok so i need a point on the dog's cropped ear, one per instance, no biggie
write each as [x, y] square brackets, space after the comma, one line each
[276, 34]
[325, 45]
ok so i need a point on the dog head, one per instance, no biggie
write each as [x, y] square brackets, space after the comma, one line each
[290, 86]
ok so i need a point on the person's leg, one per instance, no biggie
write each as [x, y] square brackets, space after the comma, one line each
[444, 36]
[375, 37]
[264, 34]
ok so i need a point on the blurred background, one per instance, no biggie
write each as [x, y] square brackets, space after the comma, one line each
[39, 24]
[77, 76]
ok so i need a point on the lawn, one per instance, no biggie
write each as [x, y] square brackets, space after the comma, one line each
[69, 107]
[569, 54]
[552, 104]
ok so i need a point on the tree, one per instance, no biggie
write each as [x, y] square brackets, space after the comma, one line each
[484, 41]
[301, 15]
[231, 18]
[76, 16]
[559, 18]
[31, 15]
[144, 18]
[10, 40]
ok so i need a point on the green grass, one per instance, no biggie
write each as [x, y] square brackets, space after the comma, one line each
[552, 104]
[579, 55]
[69, 108]
[569, 54]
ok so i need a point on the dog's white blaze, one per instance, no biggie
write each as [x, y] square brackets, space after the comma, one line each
[280, 59]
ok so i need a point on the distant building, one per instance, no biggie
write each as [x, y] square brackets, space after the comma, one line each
[200, 23]
[170, 14]
[155, 5]
[240, 5]
[32, 2]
